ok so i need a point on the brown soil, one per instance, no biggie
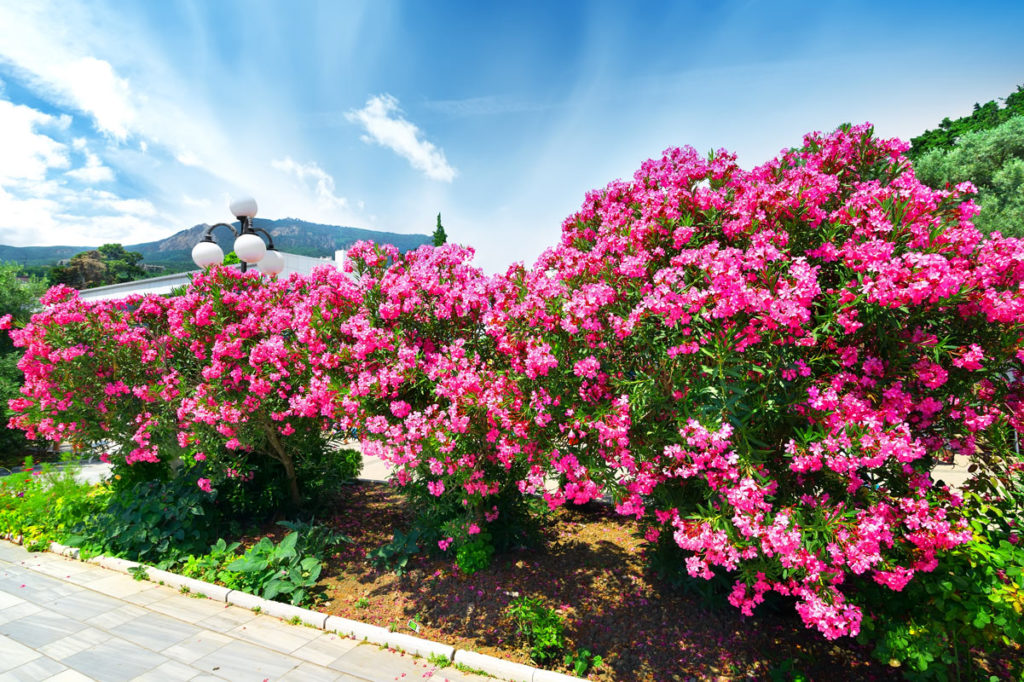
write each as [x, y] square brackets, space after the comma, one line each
[591, 568]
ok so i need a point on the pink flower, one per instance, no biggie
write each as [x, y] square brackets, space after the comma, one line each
[970, 359]
[400, 408]
[205, 485]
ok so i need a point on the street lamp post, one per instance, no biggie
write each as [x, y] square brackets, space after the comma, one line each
[249, 246]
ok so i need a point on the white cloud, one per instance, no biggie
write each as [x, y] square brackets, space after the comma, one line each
[384, 124]
[55, 214]
[132, 207]
[25, 220]
[46, 48]
[188, 158]
[28, 154]
[192, 201]
[93, 172]
[95, 88]
[323, 182]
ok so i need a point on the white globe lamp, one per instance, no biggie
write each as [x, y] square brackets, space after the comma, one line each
[250, 248]
[207, 253]
[243, 207]
[272, 263]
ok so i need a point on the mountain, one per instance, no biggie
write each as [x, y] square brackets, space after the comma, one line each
[175, 252]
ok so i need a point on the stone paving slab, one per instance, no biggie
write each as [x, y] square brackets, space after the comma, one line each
[63, 620]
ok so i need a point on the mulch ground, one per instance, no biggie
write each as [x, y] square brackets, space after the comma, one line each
[591, 567]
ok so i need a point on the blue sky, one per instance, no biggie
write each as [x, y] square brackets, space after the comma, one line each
[127, 121]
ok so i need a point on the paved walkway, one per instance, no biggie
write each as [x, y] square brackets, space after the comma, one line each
[62, 619]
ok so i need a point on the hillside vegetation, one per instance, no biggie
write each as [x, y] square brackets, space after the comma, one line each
[985, 149]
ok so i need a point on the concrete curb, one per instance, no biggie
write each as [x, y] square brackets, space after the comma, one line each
[500, 668]
[514, 672]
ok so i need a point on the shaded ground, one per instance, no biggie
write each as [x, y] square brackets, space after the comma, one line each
[592, 569]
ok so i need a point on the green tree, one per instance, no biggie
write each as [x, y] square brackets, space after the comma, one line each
[109, 264]
[993, 160]
[19, 297]
[440, 237]
[122, 266]
[84, 271]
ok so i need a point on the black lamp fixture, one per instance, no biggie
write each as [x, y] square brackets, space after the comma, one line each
[249, 246]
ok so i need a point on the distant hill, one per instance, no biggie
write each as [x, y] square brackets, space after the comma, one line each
[175, 252]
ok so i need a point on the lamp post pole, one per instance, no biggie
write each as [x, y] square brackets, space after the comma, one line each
[249, 246]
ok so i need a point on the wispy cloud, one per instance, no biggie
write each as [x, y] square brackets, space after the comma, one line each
[93, 172]
[39, 205]
[323, 183]
[188, 158]
[192, 201]
[384, 124]
[52, 213]
[78, 59]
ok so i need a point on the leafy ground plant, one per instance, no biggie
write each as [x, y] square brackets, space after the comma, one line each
[395, 555]
[211, 567]
[278, 571]
[542, 626]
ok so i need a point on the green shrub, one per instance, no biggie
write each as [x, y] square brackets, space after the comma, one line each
[43, 506]
[475, 555]
[580, 662]
[971, 608]
[314, 539]
[542, 626]
[263, 493]
[322, 476]
[157, 522]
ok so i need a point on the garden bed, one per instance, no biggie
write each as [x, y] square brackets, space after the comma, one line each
[592, 569]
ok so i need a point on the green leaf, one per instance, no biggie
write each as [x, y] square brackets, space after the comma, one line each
[246, 564]
[286, 548]
[274, 588]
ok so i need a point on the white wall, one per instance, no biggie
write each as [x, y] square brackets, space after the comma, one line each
[165, 283]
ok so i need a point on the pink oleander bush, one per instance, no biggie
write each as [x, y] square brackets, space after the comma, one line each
[433, 396]
[763, 366]
[229, 374]
[102, 373]
[766, 364]
[261, 383]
